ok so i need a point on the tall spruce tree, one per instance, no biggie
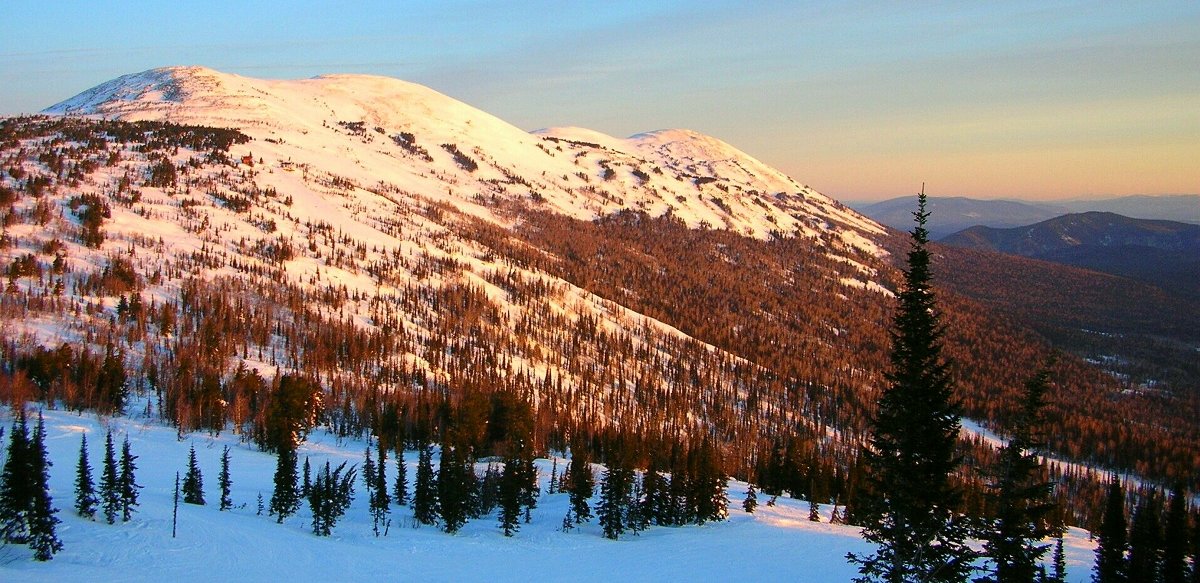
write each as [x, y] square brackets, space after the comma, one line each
[527, 479]
[582, 485]
[85, 489]
[224, 481]
[678, 509]
[129, 487]
[455, 487]
[17, 484]
[1060, 562]
[910, 457]
[193, 481]
[306, 485]
[285, 498]
[400, 487]
[616, 496]
[1111, 565]
[425, 491]
[42, 536]
[380, 502]
[110, 483]
[1175, 539]
[510, 494]
[1021, 496]
[368, 470]
[708, 484]
[656, 496]
[1145, 541]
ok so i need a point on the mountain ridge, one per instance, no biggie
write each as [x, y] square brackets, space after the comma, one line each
[736, 192]
[1164, 253]
[955, 213]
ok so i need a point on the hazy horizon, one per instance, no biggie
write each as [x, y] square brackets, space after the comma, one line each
[862, 101]
[1048, 201]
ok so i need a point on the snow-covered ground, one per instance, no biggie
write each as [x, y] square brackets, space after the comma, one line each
[774, 544]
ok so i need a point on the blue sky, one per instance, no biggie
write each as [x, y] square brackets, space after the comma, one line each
[862, 100]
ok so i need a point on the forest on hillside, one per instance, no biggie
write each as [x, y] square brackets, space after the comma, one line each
[629, 335]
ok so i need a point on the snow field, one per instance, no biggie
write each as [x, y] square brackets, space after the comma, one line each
[774, 544]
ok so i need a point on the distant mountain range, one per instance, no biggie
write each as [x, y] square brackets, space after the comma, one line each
[1163, 253]
[952, 214]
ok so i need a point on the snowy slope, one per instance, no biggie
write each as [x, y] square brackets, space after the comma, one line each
[578, 172]
[773, 544]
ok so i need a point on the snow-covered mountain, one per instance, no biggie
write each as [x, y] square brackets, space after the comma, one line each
[357, 126]
[354, 207]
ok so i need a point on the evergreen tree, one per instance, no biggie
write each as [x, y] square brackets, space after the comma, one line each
[489, 491]
[112, 385]
[224, 482]
[368, 471]
[425, 492]
[678, 510]
[1110, 564]
[285, 499]
[129, 487]
[1145, 542]
[637, 517]
[42, 537]
[527, 479]
[751, 501]
[910, 456]
[708, 486]
[306, 486]
[85, 489]
[110, 484]
[380, 502]
[1021, 497]
[814, 511]
[330, 496]
[1175, 540]
[193, 481]
[455, 487]
[1060, 561]
[616, 492]
[17, 484]
[510, 495]
[568, 521]
[400, 488]
[656, 496]
[582, 485]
